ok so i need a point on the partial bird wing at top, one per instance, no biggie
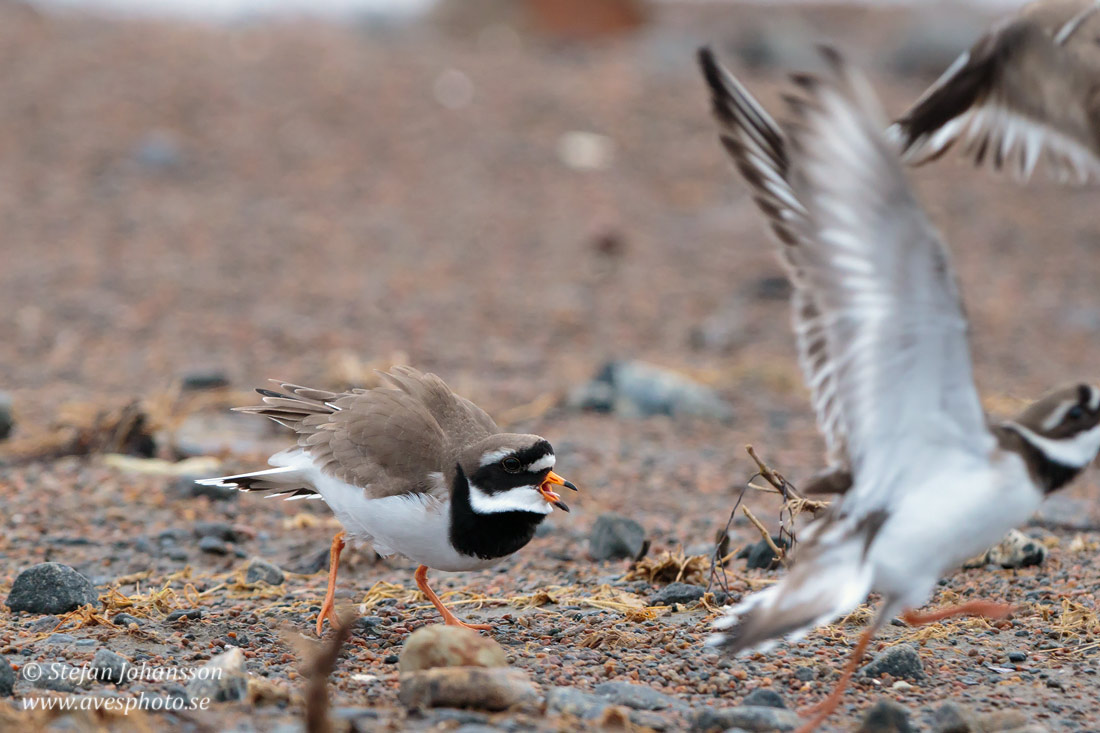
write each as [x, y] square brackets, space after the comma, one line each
[1027, 90]
[759, 149]
[876, 274]
[457, 416]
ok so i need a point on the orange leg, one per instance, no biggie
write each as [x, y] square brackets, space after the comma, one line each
[328, 608]
[826, 707]
[988, 609]
[448, 618]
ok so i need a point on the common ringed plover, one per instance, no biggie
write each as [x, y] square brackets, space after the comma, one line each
[413, 469]
[882, 341]
[1029, 88]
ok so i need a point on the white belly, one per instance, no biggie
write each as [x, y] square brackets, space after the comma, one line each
[954, 516]
[413, 525]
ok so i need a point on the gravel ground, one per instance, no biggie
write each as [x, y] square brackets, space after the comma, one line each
[295, 201]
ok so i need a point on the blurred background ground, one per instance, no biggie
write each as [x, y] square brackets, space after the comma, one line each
[510, 198]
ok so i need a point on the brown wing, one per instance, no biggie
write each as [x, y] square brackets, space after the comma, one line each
[462, 421]
[1028, 89]
[383, 440]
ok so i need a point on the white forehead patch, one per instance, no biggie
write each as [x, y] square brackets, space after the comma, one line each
[1076, 451]
[547, 461]
[519, 499]
[491, 457]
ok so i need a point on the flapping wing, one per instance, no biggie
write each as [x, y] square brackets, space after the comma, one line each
[879, 279]
[759, 149]
[461, 420]
[1027, 90]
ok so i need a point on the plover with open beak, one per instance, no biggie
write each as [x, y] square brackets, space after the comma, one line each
[1029, 89]
[882, 341]
[411, 468]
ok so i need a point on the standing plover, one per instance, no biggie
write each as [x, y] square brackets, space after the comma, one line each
[882, 343]
[412, 469]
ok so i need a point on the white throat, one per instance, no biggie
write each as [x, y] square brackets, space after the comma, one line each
[519, 499]
[1076, 452]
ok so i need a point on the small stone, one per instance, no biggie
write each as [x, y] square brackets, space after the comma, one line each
[7, 677]
[7, 421]
[263, 571]
[213, 545]
[953, 718]
[125, 619]
[615, 537]
[449, 646]
[570, 701]
[56, 676]
[204, 380]
[886, 716]
[901, 686]
[751, 718]
[222, 679]
[185, 614]
[765, 697]
[760, 555]
[804, 674]
[51, 587]
[638, 389]
[218, 530]
[484, 688]
[900, 662]
[637, 697]
[677, 593]
[108, 666]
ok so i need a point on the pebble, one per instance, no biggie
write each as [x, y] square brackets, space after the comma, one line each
[51, 587]
[228, 685]
[751, 718]
[760, 555]
[188, 614]
[57, 676]
[1017, 656]
[901, 686]
[109, 666]
[638, 389]
[7, 420]
[677, 593]
[615, 537]
[886, 716]
[637, 697]
[900, 662]
[261, 570]
[765, 697]
[449, 646]
[219, 530]
[125, 619]
[483, 688]
[204, 380]
[213, 545]
[570, 701]
[7, 677]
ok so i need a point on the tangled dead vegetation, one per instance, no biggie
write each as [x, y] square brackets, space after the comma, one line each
[670, 567]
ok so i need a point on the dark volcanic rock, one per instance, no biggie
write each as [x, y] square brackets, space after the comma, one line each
[953, 718]
[570, 701]
[7, 421]
[637, 389]
[219, 530]
[204, 380]
[125, 619]
[189, 614]
[764, 697]
[7, 677]
[752, 718]
[615, 537]
[109, 666]
[213, 545]
[885, 716]
[261, 570]
[51, 588]
[638, 697]
[760, 555]
[677, 593]
[900, 662]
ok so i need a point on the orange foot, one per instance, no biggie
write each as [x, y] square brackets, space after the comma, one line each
[328, 608]
[448, 618]
[986, 609]
[825, 708]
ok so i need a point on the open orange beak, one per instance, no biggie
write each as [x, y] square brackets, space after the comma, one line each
[551, 496]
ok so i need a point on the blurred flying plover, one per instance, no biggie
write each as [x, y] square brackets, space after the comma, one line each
[413, 469]
[882, 341]
[1028, 89]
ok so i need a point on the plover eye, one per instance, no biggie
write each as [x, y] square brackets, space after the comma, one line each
[511, 464]
[1075, 413]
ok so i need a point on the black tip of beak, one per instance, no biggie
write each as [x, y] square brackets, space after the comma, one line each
[561, 505]
[569, 485]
